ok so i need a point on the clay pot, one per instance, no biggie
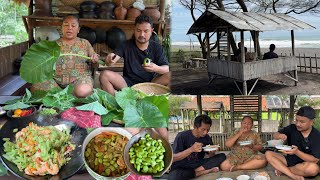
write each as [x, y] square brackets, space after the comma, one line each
[88, 15]
[115, 37]
[126, 3]
[133, 13]
[107, 6]
[153, 12]
[42, 8]
[106, 15]
[88, 6]
[120, 12]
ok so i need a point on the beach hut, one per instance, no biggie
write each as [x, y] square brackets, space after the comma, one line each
[227, 22]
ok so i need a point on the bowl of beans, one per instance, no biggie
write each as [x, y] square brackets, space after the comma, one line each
[148, 153]
[103, 153]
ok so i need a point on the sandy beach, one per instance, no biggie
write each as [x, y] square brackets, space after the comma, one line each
[302, 51]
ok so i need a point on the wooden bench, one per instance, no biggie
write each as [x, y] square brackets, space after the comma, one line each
[12, 85]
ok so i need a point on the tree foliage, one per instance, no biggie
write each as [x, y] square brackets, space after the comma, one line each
[175, 103]
[11, 22]
[267, 6]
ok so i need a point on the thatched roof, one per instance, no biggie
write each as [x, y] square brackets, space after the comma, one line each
[211, 20]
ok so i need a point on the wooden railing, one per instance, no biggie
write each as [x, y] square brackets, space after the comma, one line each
[8, 55]
[220, 138]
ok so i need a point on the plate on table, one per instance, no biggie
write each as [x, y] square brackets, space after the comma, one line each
[244, 143]
[284, 147]
[225, 178]
[208, 148]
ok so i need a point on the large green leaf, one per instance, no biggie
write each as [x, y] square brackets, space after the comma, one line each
[38, 62]
[161, 102]
[144, 114]
[17, 105]
[62, 100]
[127, 97]
[95, 106]
[106, 119]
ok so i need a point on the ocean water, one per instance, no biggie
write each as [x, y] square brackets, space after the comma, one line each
[182, 21]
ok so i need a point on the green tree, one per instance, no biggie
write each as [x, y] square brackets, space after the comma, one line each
[11, 21]
[175, 103]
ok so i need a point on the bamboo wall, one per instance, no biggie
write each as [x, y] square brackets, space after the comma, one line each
[8, 55]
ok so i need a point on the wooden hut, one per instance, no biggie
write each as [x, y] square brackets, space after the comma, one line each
[227, 22]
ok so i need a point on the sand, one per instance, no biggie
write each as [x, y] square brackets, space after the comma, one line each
[302, 51]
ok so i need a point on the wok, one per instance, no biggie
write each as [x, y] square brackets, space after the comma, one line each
[77, 137]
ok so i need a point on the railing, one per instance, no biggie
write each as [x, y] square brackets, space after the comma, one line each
[8, 55]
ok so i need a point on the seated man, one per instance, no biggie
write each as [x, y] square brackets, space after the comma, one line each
[301, 161]
[270, 54]
[134, 52]
[188, 157]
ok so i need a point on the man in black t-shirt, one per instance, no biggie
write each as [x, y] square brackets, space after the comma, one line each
[188, 157]
[301, 161]
[135, 52]
[270, 54]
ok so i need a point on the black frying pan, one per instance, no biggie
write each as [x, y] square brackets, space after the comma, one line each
[78, 135]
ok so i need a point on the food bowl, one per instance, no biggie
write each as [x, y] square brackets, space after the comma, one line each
[10, 113]
[154, 135]
[77, 136]
[93, 134]
[243, 177]
[260, 177]
[209, 148]
[284, 147]
[151, 88]
[245, 143]
[2, 112]
[274, 143]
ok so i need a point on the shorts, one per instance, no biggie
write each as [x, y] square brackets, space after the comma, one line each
[51, 84]
[207, 163]
[292, 161]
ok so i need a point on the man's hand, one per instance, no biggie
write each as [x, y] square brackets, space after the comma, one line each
[150, 67]
[292, 151]
[112, 59]
[196, 147]
[283, 137]
[94, 57]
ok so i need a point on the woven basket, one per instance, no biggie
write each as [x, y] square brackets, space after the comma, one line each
[151, 88]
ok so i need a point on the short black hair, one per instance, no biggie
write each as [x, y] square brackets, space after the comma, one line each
[74, 16]
[272, 47]
[247, 117]
[202, 119]
[143, 19]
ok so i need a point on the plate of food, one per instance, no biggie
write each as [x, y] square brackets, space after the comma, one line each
[245, 143]
[24, 147]
[225, 178]
[210, 147]
[284, 147]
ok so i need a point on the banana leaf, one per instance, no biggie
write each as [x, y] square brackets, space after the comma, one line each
[39, 62]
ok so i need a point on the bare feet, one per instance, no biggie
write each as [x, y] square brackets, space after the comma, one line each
[296, 177]
[215, 169]
[278, 173]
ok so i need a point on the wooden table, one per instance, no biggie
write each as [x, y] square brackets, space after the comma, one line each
[198, 62]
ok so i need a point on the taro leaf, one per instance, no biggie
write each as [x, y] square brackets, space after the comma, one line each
[17, 105]
[13, 101]
[108, 100]
[38, 63]
[106, 119]
[127, 97]
[145, 114]
[91, 98]
[161, 102]
[95, 106]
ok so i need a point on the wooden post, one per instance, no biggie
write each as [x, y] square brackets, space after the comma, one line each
[242, 47]
[305, 63]
[182, 118]
[245, 88]
[291, 114]
[232, 111]
[310, 64]
[30, 32]
[315, 58]
[259, 113]
[228, 44]
[255, 43]
[300, 62]
[292, 42]
[208, 45]
[218, 43]
[199, 104]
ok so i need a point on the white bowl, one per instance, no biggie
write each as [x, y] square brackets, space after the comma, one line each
[224, 178]
[94, 133]
[208, 148]
[245, 143]
[274, 142]
[284, 147]
[243, 177]
[259, 177]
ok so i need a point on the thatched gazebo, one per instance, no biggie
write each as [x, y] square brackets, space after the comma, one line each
[227, 22]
